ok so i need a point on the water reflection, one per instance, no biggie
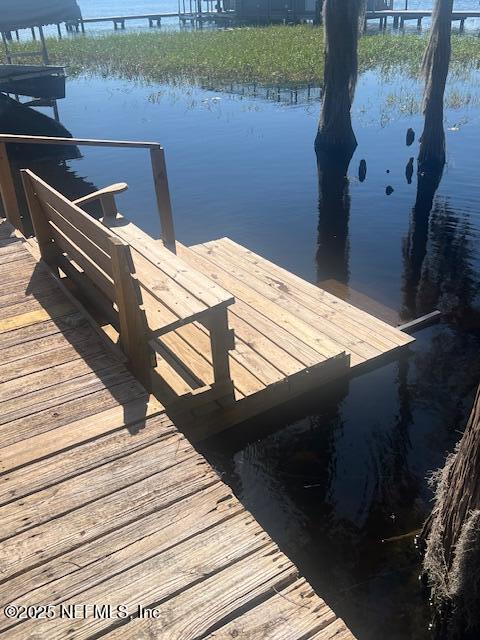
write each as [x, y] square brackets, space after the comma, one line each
[49, 162]
[57, 172]
[334, 213]
[17, 118]
[438, 255]
[293, 95]
[415, 244]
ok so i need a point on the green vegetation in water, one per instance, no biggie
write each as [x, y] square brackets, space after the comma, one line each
[275, 55]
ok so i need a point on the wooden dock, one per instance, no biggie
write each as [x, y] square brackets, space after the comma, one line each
[401, 16]
[218, 334]
[111, 343]
[152, 19]
[107, 511]
[291, 336]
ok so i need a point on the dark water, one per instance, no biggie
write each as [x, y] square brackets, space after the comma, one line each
[335, 474]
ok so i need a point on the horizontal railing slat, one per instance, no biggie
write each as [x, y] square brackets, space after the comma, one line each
[78, 141]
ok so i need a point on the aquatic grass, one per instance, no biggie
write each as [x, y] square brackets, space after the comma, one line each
[274, 55]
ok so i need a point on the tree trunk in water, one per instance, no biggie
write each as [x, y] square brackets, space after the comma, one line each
[452, 537]
[435, 70]
[335, 134]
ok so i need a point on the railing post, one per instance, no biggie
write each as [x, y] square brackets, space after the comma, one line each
[7, 190]
[7, 51]
[159, 170]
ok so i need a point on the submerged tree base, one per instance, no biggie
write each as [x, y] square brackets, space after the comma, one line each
[432, 155]
[332, 152]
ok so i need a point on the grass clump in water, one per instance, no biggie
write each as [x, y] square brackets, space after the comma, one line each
[270, 55]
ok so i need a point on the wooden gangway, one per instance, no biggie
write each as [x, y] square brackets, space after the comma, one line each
[106, 509]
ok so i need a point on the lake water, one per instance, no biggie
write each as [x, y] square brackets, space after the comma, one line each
[334, 475]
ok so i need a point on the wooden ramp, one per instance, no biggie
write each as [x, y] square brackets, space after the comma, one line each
[105, 507]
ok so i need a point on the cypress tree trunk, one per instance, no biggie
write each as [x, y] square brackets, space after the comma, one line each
[335, 134]
[435, 70]
[452, 538]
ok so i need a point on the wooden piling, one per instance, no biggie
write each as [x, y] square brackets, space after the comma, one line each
[7, 190]
[5, 44]
[44, 46]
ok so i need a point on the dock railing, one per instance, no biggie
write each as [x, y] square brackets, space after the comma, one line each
[159, 171]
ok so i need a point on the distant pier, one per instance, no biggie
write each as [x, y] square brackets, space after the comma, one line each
[194, 14]
[400, 17]
[155, 19]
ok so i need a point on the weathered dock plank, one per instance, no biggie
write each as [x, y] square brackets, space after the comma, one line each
[265, 621]
[57, 438]
[103, 501]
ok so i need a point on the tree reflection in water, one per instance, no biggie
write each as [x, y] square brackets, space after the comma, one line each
[438, 255]
[334, 214]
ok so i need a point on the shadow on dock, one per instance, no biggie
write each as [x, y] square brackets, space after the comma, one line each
[70, 361]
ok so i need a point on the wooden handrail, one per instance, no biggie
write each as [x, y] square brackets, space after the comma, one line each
[88, 142]
[159, 173]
